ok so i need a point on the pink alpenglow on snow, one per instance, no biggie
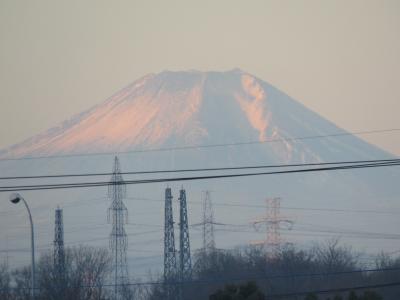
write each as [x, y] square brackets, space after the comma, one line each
[178, 109]
[254, 104]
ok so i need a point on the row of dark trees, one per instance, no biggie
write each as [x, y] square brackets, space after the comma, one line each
[251, 291]
[217, 275]
[333, 266]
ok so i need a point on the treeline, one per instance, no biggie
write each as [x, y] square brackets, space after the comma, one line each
[84, 277]
[217, 275]
[328, 266]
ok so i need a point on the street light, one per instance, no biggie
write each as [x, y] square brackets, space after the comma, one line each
[15, 198]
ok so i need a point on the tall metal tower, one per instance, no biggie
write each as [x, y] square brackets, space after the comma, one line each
[59, 254]
[185, 261]
[273, 235]
[273, 221]
[170, 270]
[118, 216]
[208, 224]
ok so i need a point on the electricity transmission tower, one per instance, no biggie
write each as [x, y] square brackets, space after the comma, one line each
[170, 270]
[173, 291]
[208, 224]
[118, 216]
[185, 262]
[273, 221]
[59, 253]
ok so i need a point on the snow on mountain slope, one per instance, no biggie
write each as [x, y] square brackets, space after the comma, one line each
[194, 108]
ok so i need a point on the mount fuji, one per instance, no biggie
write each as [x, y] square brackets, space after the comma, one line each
[197, 108]
[193, 119]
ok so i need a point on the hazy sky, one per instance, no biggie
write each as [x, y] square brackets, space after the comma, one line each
[339, 58]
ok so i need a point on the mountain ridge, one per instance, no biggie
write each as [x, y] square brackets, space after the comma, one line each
[185, 108]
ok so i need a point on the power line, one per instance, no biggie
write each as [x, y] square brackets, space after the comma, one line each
[202, 169]
[312, 209]
[273, 140]
[282, 207]
[341, 235]
[239, 205]
[336, 290]
[161, 180]
[228, 227]
[47, 246]
[302, 232]
[323, 229]
[260, 277]
[323, 233]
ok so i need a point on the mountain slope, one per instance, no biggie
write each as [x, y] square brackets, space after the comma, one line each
[196, 108]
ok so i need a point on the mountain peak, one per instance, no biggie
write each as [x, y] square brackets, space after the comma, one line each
[185, 108]
[199, 72]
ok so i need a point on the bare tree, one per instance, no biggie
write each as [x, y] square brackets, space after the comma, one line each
[86, 269]
[90, 267]
[22, 280]
[333, 257]
[5, 280]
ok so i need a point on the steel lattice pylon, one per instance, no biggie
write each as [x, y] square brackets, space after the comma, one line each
[208, 224]
[59, 254]
[170, 270]
[185, 261]
[118, 216]
[273, 237]
[273, 221]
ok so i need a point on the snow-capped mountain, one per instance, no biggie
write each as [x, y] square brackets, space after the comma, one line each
[196, 108]
[156, 123]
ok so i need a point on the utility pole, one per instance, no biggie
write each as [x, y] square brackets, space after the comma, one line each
[170, 270]
[16, 198]
[118, 216]
[59, 253]
[7, 255]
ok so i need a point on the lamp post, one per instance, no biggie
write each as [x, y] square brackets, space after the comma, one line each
[15, 198]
